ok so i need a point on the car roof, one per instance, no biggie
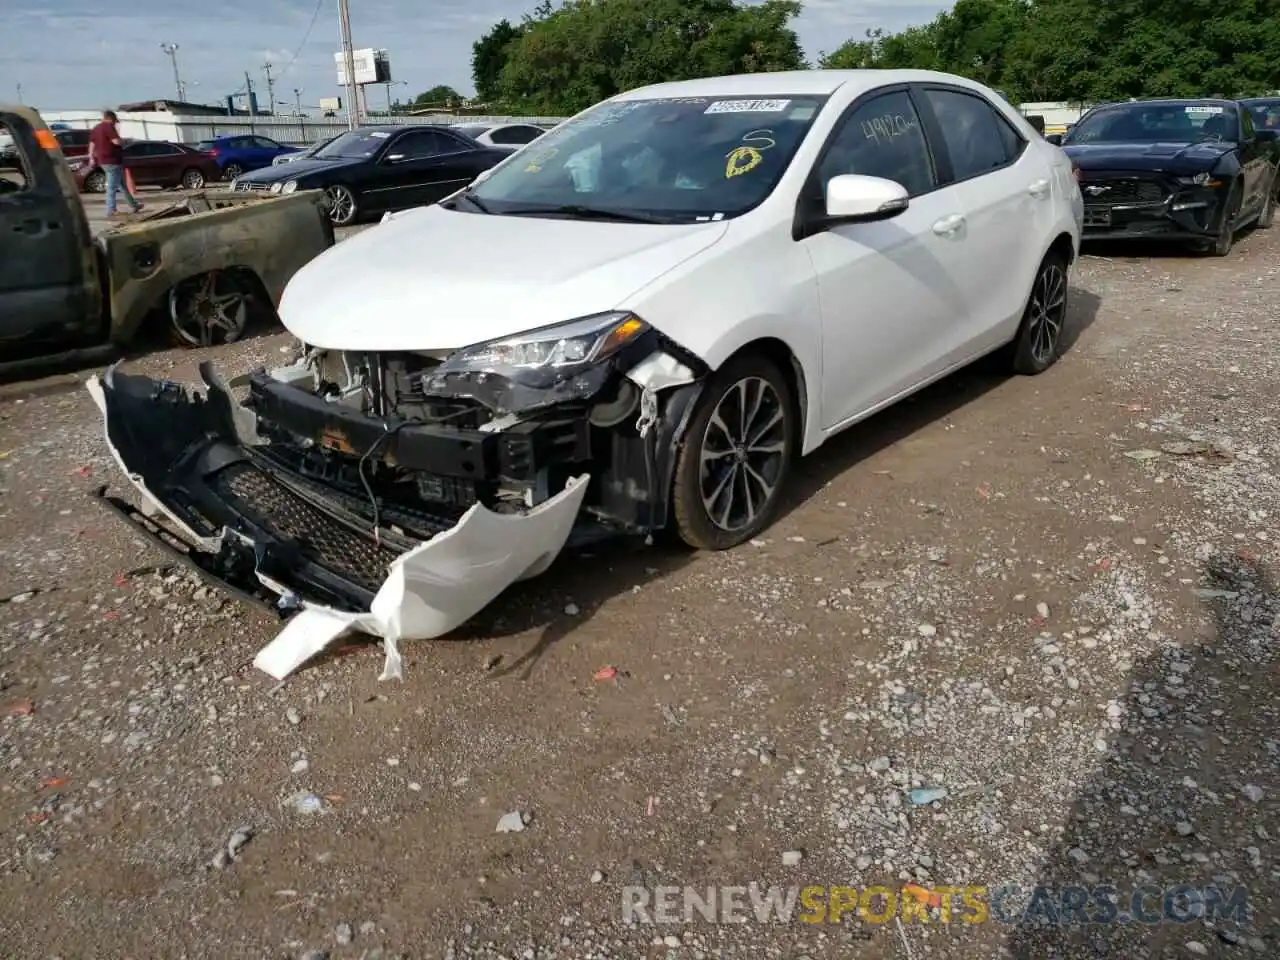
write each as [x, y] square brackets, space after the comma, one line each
[1157, 101]
[794, 82]
[1261, 100]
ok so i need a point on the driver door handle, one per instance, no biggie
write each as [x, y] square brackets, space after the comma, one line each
[1039, 189]
[949, 226]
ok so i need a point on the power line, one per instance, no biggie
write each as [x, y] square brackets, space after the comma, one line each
[315, 15]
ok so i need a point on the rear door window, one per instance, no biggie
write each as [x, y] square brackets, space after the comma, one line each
[977, 138]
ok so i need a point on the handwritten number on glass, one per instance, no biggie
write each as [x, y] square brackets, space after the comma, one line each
[887, 128]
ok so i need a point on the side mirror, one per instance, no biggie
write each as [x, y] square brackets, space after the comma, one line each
[857, 199]
[1055, 139]
[1037, 123]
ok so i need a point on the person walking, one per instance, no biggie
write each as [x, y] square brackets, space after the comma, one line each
[106, 150]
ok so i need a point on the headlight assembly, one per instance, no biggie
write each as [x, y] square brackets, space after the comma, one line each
[1200, 180]
[553, 364]
[289, 186]
[275, 188]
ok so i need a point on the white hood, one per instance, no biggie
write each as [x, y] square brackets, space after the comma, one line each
[436, 279]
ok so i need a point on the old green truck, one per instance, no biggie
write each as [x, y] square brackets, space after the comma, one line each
[204, 266]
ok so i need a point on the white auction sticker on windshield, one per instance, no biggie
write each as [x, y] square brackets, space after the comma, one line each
[748, 106]
[1203, 109]
[379, 134]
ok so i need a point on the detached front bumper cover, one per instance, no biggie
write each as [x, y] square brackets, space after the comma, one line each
[259, 531]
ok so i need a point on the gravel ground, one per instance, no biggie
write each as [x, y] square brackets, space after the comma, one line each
[1051, 598]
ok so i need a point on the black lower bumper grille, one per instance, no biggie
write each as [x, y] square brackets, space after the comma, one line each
[320, 537]
[1110, 192]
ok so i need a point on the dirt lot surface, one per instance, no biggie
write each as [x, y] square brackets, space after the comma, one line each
[1053, 598]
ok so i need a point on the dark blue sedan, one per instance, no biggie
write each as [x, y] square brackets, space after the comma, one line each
[240, 153]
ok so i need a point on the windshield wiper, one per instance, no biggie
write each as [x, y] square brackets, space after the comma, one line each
[581, 212]
[467, 196]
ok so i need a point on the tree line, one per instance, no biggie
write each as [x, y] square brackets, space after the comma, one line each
[559, 60]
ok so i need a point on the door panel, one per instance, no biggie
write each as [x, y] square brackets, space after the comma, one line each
[43, 292]
[1005, 189]
[427, 168]
[887, 294]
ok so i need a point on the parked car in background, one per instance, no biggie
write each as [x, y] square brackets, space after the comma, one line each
[639, 322]
[310, 151]
[241, 153]
[1193, 170]
[74, 143]
[376, 169]
[153, 163]
[504, 136]
[1265, 112]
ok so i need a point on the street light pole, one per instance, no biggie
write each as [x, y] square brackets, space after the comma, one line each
[297, 100]
[348, 56]
[172, 50]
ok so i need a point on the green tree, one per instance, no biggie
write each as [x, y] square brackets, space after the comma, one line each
[1089, 50]
[489, 56]
[567, 58]
[440, 95]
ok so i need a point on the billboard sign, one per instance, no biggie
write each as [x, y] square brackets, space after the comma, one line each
[371, 66]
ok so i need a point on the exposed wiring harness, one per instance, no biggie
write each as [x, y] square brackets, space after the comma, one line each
[389, 431]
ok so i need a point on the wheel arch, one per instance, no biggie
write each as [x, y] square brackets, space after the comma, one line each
[781, 354]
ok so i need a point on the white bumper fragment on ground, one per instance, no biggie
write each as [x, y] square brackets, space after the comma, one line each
[438, 586]
[429, 591]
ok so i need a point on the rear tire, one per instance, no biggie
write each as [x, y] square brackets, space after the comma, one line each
[1039, 340]
[735, 458]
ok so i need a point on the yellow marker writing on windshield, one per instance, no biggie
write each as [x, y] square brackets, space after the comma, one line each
[536, 164]
[742, 160]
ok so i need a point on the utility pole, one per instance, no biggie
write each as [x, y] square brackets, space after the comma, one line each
[348, 56]
[248, 95]
[172, 50]
[297, 100]
[271, 88]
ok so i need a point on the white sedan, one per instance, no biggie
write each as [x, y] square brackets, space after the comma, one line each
[634, 323]
[504, 136]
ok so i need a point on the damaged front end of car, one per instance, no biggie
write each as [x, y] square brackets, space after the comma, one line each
[398, 493]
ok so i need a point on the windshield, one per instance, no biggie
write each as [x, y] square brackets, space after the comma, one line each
[358, 144]
[681, 159]
[1266, 113]
[1185, 122]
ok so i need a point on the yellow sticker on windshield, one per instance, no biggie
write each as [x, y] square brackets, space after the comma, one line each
[742, 160]
[540, 160]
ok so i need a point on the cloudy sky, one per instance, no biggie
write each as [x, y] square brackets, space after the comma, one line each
[68, 54]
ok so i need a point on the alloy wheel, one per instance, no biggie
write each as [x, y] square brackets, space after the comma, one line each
[96, 182]
[208, 309]
[341, 203]
[193, 179]
[1048, 310]
[742, 454]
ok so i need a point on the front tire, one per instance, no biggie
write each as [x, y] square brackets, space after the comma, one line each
[192, 179]
[1221, 245]
[735, 459]
[1038, 343]
[1268, 214]
[342, 205]
[96, 182]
